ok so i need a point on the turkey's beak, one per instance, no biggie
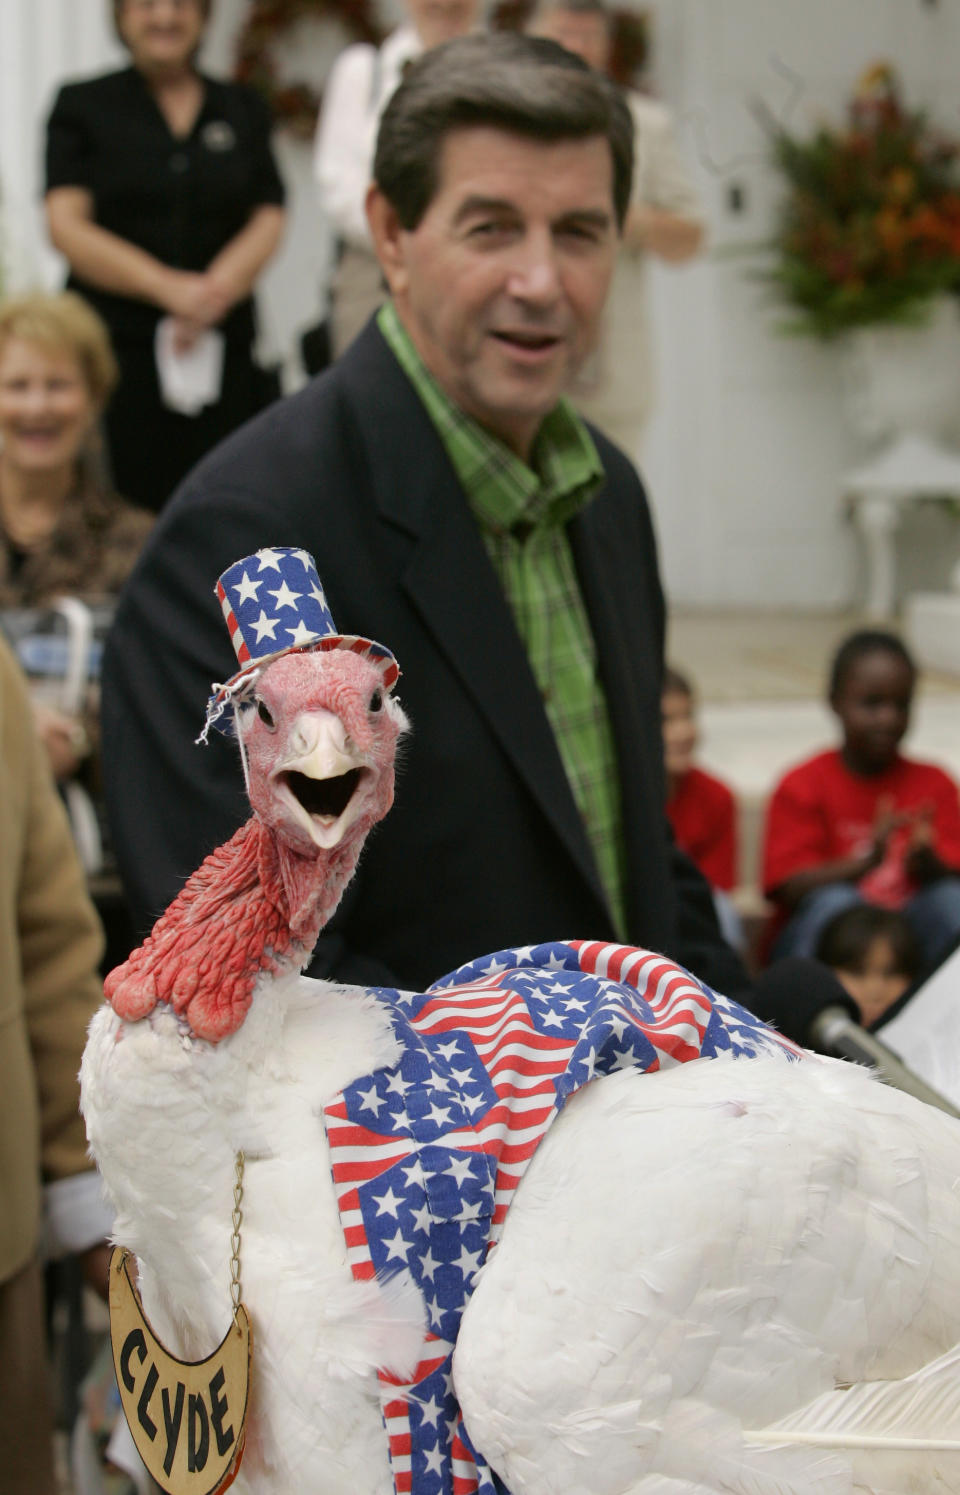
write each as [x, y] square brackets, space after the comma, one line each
[319, 777]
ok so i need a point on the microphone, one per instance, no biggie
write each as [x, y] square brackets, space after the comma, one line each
[835, 1032]
[805, 1001]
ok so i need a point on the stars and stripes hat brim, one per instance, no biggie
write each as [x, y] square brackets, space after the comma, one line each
[274, 604]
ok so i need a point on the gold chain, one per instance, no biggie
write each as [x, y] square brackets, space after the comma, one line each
[237, 1218]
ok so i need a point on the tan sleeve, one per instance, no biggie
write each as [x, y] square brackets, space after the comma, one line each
[60, 940]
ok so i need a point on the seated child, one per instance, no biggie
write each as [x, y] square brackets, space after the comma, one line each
[700, 808]
[863, 823]
[873, 953]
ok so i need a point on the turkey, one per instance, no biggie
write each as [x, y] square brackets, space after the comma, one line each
[566, 1224]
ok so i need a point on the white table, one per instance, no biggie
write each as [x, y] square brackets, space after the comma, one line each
[911, 467]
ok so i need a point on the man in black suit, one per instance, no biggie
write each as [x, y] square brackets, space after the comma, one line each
[463, 515]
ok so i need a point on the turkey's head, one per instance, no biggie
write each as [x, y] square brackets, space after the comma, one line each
[318, 733]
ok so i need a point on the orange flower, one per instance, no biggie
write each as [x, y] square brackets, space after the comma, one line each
[925, 223]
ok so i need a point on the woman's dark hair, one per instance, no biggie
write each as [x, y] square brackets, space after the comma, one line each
[524, 85]
[857, 646]
[844, 942]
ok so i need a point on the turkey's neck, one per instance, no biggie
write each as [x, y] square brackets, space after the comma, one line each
[305, 890]
[253, 907]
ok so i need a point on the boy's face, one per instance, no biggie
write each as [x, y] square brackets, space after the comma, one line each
[873, 705]
[679, 731]
[878, 983]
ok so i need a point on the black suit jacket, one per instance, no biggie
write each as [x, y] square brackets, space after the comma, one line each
[484, 847]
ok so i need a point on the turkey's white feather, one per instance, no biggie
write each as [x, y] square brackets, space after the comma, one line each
[691, 1253]
[919, 1416]
[166, 1114]
[704, 1250]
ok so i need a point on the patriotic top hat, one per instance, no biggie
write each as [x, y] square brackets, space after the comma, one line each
[274, 604]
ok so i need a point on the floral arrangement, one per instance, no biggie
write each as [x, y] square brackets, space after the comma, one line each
[870, 229]
[294, 105]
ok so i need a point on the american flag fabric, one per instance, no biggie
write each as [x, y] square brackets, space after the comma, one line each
[426, 1156]
[272, 602]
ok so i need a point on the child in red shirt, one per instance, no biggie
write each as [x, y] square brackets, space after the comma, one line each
[862, 823]
[700, 808]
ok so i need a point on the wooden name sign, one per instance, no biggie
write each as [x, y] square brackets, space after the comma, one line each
[187, 1420]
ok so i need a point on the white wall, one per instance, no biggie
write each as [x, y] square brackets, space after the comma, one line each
[41, 43]
[749, 439]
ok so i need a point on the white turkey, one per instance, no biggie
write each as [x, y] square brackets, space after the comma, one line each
[567, 1224]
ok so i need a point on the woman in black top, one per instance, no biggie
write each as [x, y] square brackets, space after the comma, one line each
[164, 197]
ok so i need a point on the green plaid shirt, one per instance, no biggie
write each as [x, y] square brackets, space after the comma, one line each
[539, 579]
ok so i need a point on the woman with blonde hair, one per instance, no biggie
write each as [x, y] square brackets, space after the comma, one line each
[63, 532]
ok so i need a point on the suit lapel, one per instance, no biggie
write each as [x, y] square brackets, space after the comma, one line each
[621, 605]
[451, 583]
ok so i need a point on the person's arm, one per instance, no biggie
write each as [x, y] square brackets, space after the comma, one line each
[59, 946]
[845, 869]
[343, 153]
[236, 269]
[797, 858]
[923, 861]
[933, 849]
[114, 264]
[668, 235]
[664, 217]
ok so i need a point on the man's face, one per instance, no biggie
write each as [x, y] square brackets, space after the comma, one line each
[501, 286]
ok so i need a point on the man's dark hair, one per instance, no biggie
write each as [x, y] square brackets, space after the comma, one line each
[525, 85]
[846, 940]
[857, 646]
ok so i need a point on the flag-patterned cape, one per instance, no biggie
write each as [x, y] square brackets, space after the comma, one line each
[426, 1156]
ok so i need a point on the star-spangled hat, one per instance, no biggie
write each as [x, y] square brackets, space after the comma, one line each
[274, 604]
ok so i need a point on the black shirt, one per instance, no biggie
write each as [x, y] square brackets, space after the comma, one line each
[179, 198]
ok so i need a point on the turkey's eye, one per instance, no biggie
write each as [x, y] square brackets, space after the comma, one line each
[376, 700]
[265, 716]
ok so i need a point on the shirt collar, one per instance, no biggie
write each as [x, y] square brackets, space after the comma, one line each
[503, 491]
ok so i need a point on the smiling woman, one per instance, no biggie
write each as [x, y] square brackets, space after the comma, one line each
[62, 532]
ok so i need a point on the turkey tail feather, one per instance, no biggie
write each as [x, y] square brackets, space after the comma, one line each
[916, 1414]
